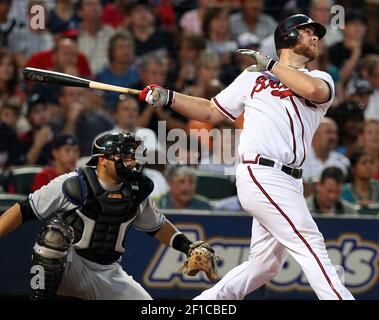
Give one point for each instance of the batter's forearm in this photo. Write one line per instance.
(10, 220)
(197, 108)
(302, 84)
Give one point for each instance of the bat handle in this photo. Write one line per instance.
(109, 87)
(132, 91)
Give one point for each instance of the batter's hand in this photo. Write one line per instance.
(157, 96)
(264, 63)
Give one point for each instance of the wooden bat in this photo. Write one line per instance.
(46, 76)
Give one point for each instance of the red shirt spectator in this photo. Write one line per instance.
(166, 15)
(43, 178)
(65, 152)
(44, 60)
(113, 16)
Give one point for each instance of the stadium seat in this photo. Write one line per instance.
(215, 186)
(9, 199)
(22, 178)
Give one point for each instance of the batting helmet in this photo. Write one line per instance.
(116, 143)
(287, 34)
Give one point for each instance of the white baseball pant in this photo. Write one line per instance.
(282, 223)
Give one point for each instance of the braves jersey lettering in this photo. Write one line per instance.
(272, 110)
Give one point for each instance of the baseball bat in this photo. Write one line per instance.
(46, 76)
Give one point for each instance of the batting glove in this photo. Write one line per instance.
(264, 63)
(157, 96)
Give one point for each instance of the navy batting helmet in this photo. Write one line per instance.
(287, 34)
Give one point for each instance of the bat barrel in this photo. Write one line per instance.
(52, 77)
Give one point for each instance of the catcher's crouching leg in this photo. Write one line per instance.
(50, 253)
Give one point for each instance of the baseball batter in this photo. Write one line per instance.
(283, 104)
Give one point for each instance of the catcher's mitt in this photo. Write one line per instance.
(201, 257)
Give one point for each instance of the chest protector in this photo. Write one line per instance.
(102, 218)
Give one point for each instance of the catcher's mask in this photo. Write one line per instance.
(120, 147)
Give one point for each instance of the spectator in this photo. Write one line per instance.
(370, 141)
(10, 114)
(326, 199)
(148, 38)
(63, 17)
(65, 54)
(363, 190)
(320, 11)
(10, 147)
(26, 41)
(189, 49)
(252, 19)
(323, 154)
(206, 86)
(183, 183)
(37, 141)
(115, 14)
(217, 34)
(94, 36)
(166, 16)
(65, 153)
(8, 24)
(372, 111)
(154, 70)
(223, 156)
(349, 118)
(346, 54)
(241, 61)
(9, 78)
(78, 119)
(126, 116)
(359, 91)
(121, 71)
(207, 73)
(192, 20)
(185, 151)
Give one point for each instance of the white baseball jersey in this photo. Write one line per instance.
(278, 124)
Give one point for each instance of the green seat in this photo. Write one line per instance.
(215, 186)
(9, 199)
(22, 178)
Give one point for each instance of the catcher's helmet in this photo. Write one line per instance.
(286, 33)
(116, 143)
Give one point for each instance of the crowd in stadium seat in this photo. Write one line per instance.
(190, 47)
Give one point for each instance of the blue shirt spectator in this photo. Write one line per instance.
(120, 71)
(129, 78)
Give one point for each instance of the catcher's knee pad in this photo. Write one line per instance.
(50, 254)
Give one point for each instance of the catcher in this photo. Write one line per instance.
(90, 211)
